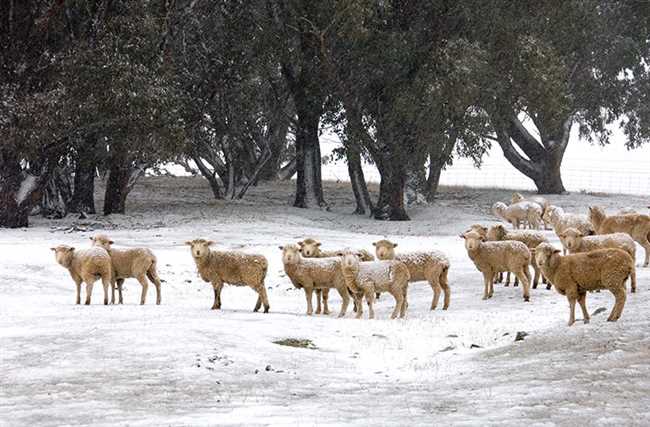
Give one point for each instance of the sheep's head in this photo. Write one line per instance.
(290, 253)
(309, 248)
(551, 214)
(499, 208)
(544, 252)
(102, 241)
(496, 233)
(200, 247)
(517, 197)
(384, 249)
(350, 259)
(596, 215)
(63, 254)
(472, 240)
(571, 238)
(483, 231)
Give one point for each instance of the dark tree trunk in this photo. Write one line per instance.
(57, 194)
(544, 157)
(122, 176)
(309, 186)
(278, 142)
(390, 205)
(289, 170)
(358, 181)
(83, 197)
(211, 176)
(439, 154)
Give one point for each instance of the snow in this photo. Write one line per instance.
(182, 364)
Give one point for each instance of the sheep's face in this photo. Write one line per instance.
(571, 238)
(63, 254)
(551, 215)
(200, 247)
(309, 248)
(472, 240)
(290, 254)
(102, 241)
(483, 231)
(517, 197)
(496, 233)
(499, 208)
(596, 214)
(543, 253)
(350, 259)
(385, 249)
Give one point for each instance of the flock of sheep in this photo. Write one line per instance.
(601, 256)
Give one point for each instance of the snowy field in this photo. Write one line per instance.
(181, 364)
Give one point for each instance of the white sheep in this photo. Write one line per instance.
(230, 267)
(314, 273)
(491, 258)
(560, 221)
(368, 278)
(85, 265)
(541, 201)
(138, 263)
(520, 213)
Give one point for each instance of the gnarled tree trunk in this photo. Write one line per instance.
(83, 196)
(122, 177)
(309, 186)
(390, 205)
(439, 154)
(358, 181)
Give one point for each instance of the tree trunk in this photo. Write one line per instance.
(309, 186)
(416, 183)
(278, 141)
(289, 170)
(390, 205)
(19, 190)
(122, 177)
(544, 157)
(211, 176)
(83, 197)
(439, 154)
(57, 194)
(358, 181)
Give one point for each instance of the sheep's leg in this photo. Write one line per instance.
(444, 283)
(536, 279)
(646, 246)
(370, 299)
(326, 296)
(633, 278)
(619, 295)
(582, 299)
(145, 286)
(572, 308)
(216, 286)
(516, 282)
(507, 279)
(77, 282)
(262, 298)
(319, 295)
(405, 304)
(89, 291)
(358, 299)
(499, 277)
(120, 282)
(524, 277)
(437, 290)
(486, 287)
(398, 294)
(345, 298)
(106, 283)
(308, 293)
(491, 285)
(153, 276)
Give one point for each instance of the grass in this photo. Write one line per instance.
(296, 342)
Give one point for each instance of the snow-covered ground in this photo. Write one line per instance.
(181, 364)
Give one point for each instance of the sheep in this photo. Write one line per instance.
(561, 221)
(519, 213)
(138, 263)
(492, 257)
(314, 273)
(432, 266)
(85, 265)
(576, 243)
(310, 248)
(574, 275)
(230, 267)
(636, 225)
(367, 278)
(541, 201)
(530, 238)
(626, 211)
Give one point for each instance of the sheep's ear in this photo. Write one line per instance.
(394, 245)
(70, 249)
(556, 251)
(110, 242)
(53, 249)
(188, 243)
(562, 235)
(301, 243)
(374, 243)
(92, 238)
(281, 248)
(462, 236)
(359, 255)
(339, 254)
(209, 243)
(318, 244)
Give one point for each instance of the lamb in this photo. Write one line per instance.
(574, 275)
(368, 278)
(230, 267)
(310, 248)
(138, 263)
(491, 258)
(636, 225)
(85, 265)
(314, 273)
(541, 201)
(530, 238)
(519, 213)
(432, 266)
(576, 243)
(561, 221)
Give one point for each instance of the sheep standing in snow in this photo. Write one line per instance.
(541, 201)
(574, 275)
(368, 278)
(491, 258)
(576, 243)
(560, 221)
(636, 225)
(231, 267)
(138, 263)
(85, 265)
(314, 273)
(432, 266)
(530, 238)
(310, 248)
(520, 213)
